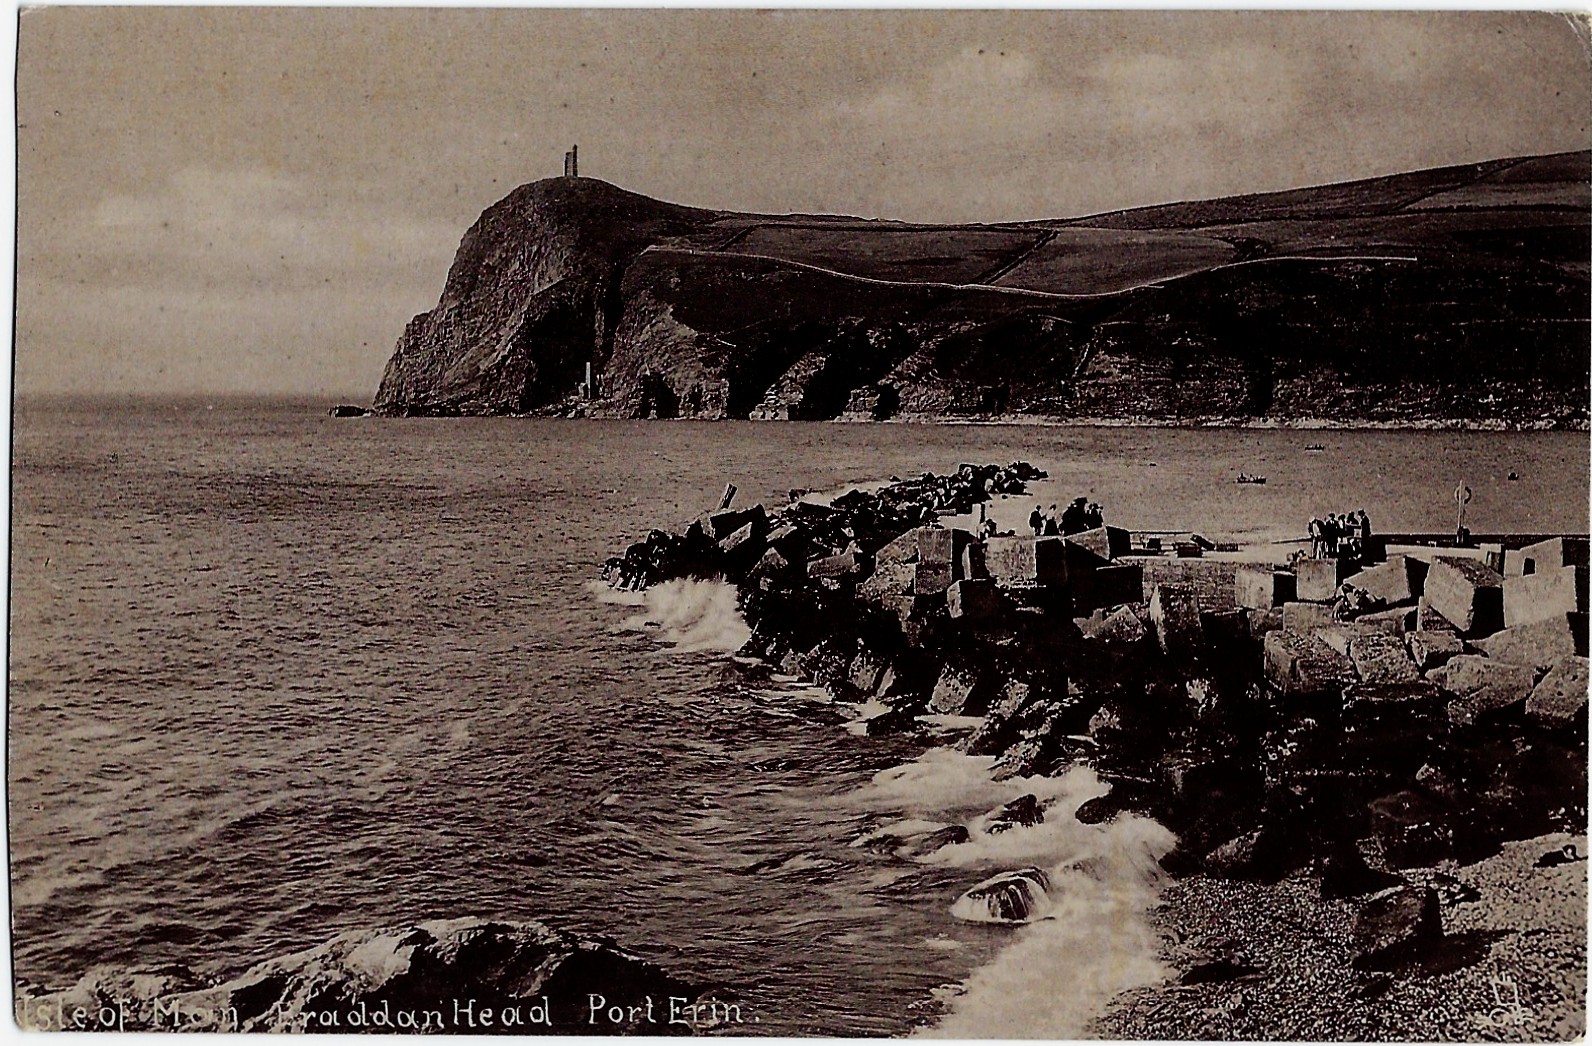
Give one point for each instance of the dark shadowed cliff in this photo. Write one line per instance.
(1458, 295)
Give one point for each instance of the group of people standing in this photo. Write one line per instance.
(1079, 516)
(1340, 535)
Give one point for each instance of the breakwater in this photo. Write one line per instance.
(1341, 719)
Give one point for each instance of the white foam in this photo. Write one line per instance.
(692, 615)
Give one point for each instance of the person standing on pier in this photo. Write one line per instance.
(1318, 537)
(1036, 521)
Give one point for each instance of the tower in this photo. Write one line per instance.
(571, 162)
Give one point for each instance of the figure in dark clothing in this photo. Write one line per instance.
(1036, 521)
(1073, 519)
(1052, 524)
(1094, 516)
(1318, 541)
(1365, 528)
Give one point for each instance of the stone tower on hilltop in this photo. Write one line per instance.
(571, 162)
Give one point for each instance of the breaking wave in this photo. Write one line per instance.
(693, 616)
(1087, 937)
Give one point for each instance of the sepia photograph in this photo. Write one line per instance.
(972, 524)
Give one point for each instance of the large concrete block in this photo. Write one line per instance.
(1106, 586)
(959, 691)
(1429, 620)
(1026, 560)
(1545, 594)
(720, 525)
(1298, 663)
(1318, 579)
(941, 546)
(1379, 718)
(1263, 587)
(1399, 580)
(1468, 594)
(974, 600)
(1395, 622)
(1552, 554)
(1559, 700)
(1483, 688)
(1122, 627)
(1175, 617)
(1105, 542)
(1432, 649)
(866, 668)
(1306, 617)
(930, 579)
(1263, 622)
(1381, 658)
(845, 565)
(903, 549)
(1540, 643)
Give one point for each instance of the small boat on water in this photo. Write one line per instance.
(1244, 477)
(1316, 448)
(1514, 475)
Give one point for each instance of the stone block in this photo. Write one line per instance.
(1431, 649)
(1263, 622)
(959, 691)
(720, 525)
(903, 549)
(1306, 617)
(932, 578)
(889, 580)
(1298, 663)
(1483, 689)
(1026, 560)
(1122, 626)
(1559, 700)
(866, 668)
(1539, 644)
(1338, 636)
(1397, 920)
(1429, 620)
(1395, 622)
(1381, 658)
(1262, 587)
(1399, 580)
(1317, 580)
(1175, 619)
(1468, 594)
(845, 565)
(941, 546)
(975, 601)
(1552, 554)
(1545, 594)
(1106, 586)
(1107, 543)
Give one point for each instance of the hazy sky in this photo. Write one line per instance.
(258, 200)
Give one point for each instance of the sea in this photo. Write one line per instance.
(275, 675)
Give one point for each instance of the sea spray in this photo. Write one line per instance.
(1086, 939)
(693, 616)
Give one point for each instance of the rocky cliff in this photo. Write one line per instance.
(1459, 295)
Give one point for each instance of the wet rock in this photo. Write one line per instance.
(1263, 587)
(1484, 689)
(1394, 923)
(364, 980)
(1010, 897)
(1559, 701)
(1022, 812)
(1468, 594)
(1433, 649)
(1256, 856)
(959, 690)
(866, 670)
(1539, 644)
(1412, 829)
(1394, 719)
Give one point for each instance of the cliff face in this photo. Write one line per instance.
(1452, 296)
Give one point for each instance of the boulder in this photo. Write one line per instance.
(1121, 627)
(940, 559)
(1413, 830)
(1395, 922)
(1484, 689)
(904, 549)
(1300, 664)
(1539, 644)
(959, 691)
(925, 843)
(889, 581)
(1392, 719)
(1381, 658)
(1397, 581)
(1559, 700)
(371, 980)
(1317, 580)
(845, 565)
(866, 670)
(1107, 543)
(1544, 595)
(1307, 617)
(975, 601)
(1263, 587)
(1010, 897)
(1263, 622)
(1467, 593)
(1338, 636)
(1432, 649)
(1395, 622)
(1429, 620)
(1026, 560)
(1175, 618)
(720, 525)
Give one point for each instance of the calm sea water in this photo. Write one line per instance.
(275, 675)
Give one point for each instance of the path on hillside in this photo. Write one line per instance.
(1021, 291)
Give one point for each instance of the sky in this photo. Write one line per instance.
(252, 200)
